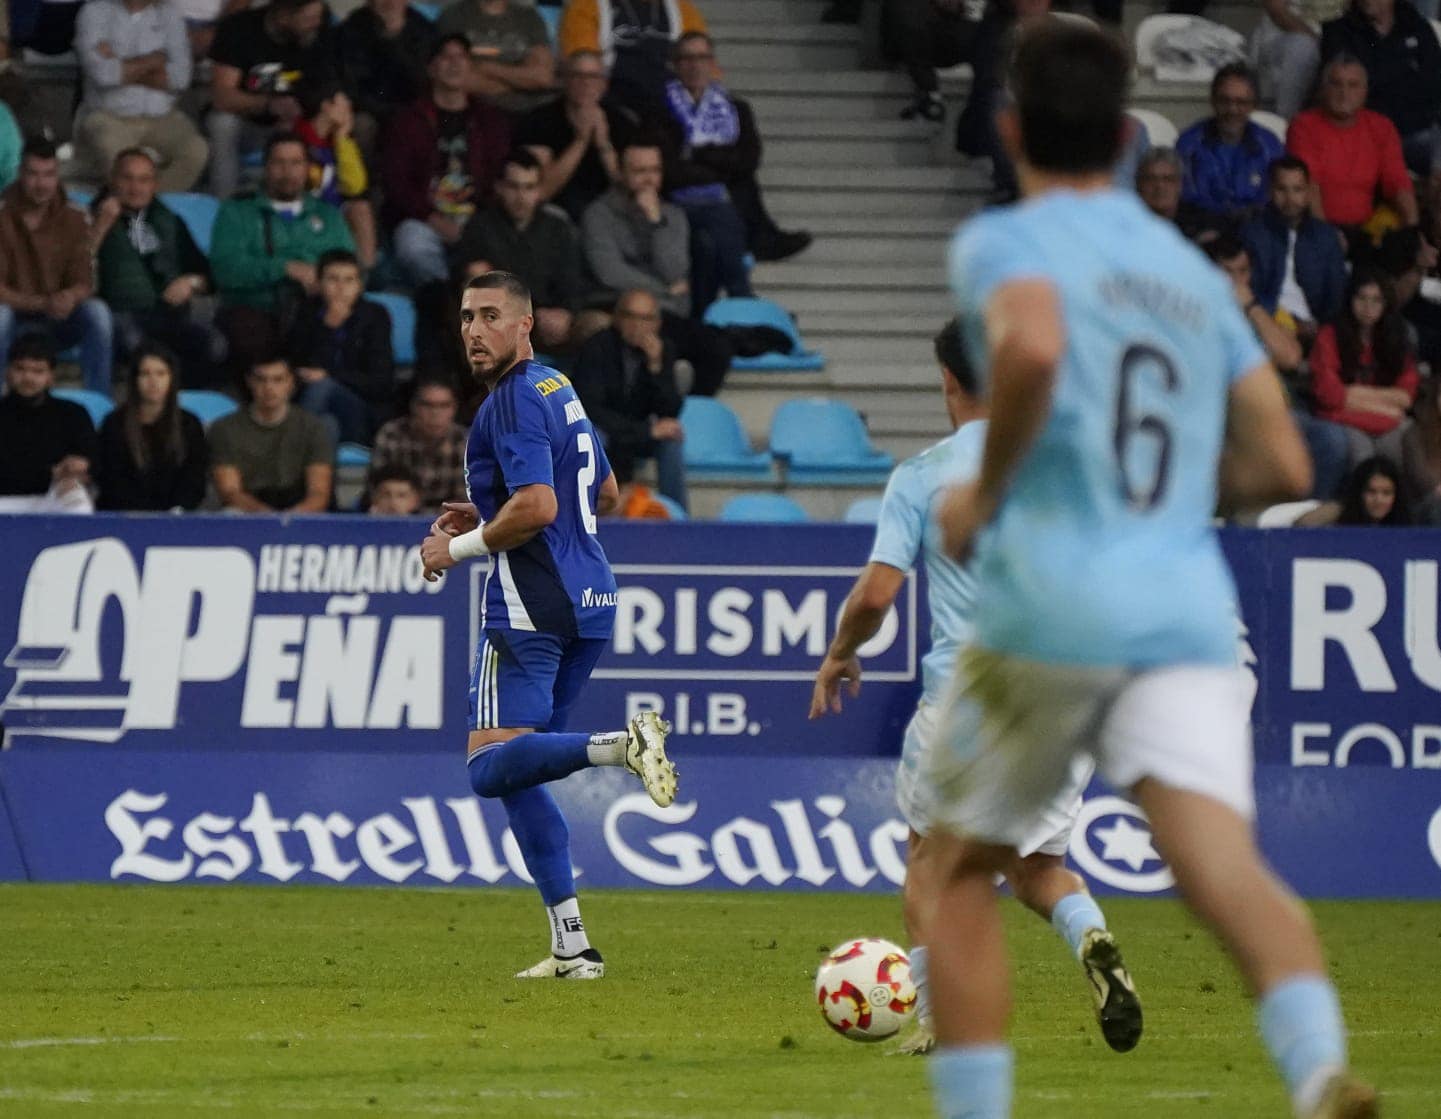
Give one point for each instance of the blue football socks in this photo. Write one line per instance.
(921, 978)
(544, 840)
(1073, 915)
(529, 759)
(972, 1081)
(1301, 1024)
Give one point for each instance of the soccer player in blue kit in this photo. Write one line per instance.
(1126, 391)
(907, 532)
(537, 478)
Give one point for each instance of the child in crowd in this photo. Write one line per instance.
(337, 169)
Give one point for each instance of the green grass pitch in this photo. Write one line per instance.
(183, 1001)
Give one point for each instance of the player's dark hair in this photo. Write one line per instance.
(172, 437)
(33, 346)
(38, 147)
(1070, 83)
(507, 282)
(1288, 162)
(1231, 71)
(1390, 343)
(951, 353)
(335, 256)
(1353, 494)
(275, 139)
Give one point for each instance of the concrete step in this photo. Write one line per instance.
(882, 225)
(795, 206)
(813, 34)
(864, 252)
(857, 358)
(869, 152)
(796, 273)
(808, 56)
(906, 325)
(749, 12)
(783, 130)
(806, 301)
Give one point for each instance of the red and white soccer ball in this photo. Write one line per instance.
(864, 989)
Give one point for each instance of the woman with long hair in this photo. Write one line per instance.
(1371, 496)
(1363, 369)
(1421, 455)
(152, 452)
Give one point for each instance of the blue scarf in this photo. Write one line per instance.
(710, 122)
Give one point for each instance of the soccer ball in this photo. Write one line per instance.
(864, 989)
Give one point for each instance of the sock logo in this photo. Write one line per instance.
(572, 925)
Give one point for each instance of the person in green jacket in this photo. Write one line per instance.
(10, 144)
(264, 248)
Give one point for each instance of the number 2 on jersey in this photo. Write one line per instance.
(585, 478)
(1140, 359)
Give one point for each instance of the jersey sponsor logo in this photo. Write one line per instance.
(589, 596)
(106, 645)
(552, 384)
(1111, 842)
(707, 622)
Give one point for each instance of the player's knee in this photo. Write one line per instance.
(485, 776)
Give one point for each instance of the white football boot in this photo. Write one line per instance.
(587, 965)
(645, 757)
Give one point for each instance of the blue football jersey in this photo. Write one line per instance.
(1102, 552)
(907, 531)
(533, 430)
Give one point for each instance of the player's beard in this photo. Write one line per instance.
(501, 363)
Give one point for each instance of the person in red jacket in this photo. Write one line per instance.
(438, 161)
(1363, 369)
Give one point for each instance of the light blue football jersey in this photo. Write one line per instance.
(907, 531)
(1102, 552)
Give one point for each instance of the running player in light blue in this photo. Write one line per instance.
(537, 477)
(907, 532)
(1123, 382)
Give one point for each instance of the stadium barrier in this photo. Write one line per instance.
(283, 699)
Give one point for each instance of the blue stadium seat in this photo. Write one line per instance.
(198, 212)
(429, 11)
(551, 14)
(762, 312)
(716, 444)
(768, 508)
(402, 323)
(207, 406)
(352, 454)
(96, 403)
(825, 442)
(864, 511)
(677, 513)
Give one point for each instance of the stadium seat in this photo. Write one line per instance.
(206, 405)
(429, 11)
(402, 323)
(352, 454)
(772, 508)
(1274, 123)
(96, 403)
(77, 196)
(1159, 130)
(762, 312)
(551, 14)
(674, 508)
(864, 511)
(198, 212)
(825, 442)
(1193, 67)
(1286, 514)
(716, 444)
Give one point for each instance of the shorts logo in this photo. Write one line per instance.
(1112, 843)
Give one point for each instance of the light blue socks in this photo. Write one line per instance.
(1301, 1024)
(1073, 915)
(972, 1082)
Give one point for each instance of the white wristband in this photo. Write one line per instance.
(469, 545)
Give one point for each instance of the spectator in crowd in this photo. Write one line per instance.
(264, 248)
(512, 64)
(340, 349)
(46, 278)
(633, 238)
(441, 156)
(136, 58)
(1363, 370)
(715, 151)
(10, 144)
(625, 377)
(384, 48)
(1402, 58)
(515, 235)
(1421, 455)
(394, 492)
(46, 444)
(638, 501)
(270, 457)
(1410, 261)
(1351, 151)
(1159, 176)
(262, 57)
(337, 173)
(634, 39)
(1298, 264)
(1286, 49)
(576, 136)
(427, 442)
(201, 19)
(149, 271)
(1372, 497)
(151, 451)
(1226, 156)
(924, 34)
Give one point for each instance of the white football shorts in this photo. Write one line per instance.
(1015, 729)
(918, 799)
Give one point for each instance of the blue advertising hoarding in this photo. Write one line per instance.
(193, 665)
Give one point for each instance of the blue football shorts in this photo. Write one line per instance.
(526, 679)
